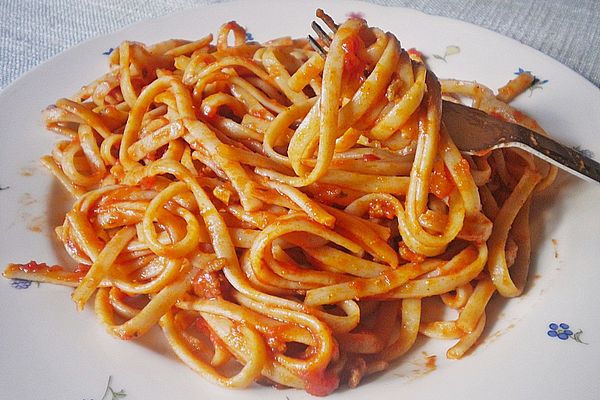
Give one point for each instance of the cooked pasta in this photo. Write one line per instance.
(282, 216)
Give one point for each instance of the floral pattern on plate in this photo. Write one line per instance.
(20, 283)
(537, 82)
(450, 51)
(562, 331)
(110, 393)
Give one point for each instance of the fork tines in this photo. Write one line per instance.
(327, 19)
(316, 46)
(325, 38)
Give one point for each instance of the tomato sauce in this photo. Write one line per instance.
(276, 338)
(321, 383)
(441, 183)
(148, 182)
(408, 254)
(379, 208)
(207, 285)
(370, 157)
(328, 194)
(81, 269)
(33, 266)
(354, 66)
(415, 53)
(55, 273)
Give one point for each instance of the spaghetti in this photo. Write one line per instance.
(283, 217)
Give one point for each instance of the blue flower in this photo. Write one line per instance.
(560, 331)
(521, 71)
(107, 52)
(536, 83)
(20, 283)
(249, 37)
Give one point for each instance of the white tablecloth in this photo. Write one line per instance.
(33, 31)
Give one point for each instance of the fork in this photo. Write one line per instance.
(476, 133)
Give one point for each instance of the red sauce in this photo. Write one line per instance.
(357, 284)
(206, 248)
(117, 171)
(441, 183)
(156, 154)
(33, 266)
(370, 157)
(321, 383)
(519, 117)
(207, 285)
(276, 338)
(148, 182)
(201, 326)
(354, 66)
(209, 112)
(52, 272)
(328, 194)
(408, 254)
(381, 209)
(81, 269)
(496, 114)
(230, 26)
(414, 52)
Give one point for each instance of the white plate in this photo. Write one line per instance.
(48, 350)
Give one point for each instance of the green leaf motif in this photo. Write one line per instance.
(118, 395)
(110, 393)
(577, 337)
(450, 51)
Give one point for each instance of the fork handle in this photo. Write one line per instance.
(562, 156)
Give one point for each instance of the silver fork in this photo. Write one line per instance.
(475, 132)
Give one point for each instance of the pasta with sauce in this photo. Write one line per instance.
(282, 216)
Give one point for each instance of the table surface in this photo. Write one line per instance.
(33, 31)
